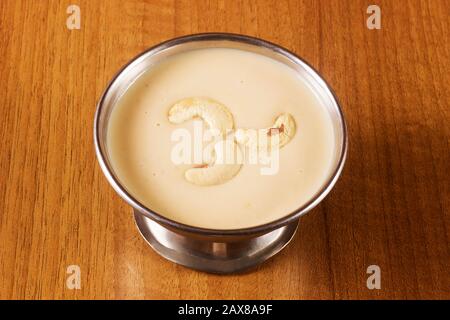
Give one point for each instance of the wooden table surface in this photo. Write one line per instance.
(391, 206)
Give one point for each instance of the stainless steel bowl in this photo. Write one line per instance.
(216, 251)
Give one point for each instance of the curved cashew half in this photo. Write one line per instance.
(219, 172)
(215, 114)
(219, 118)
(284, 126)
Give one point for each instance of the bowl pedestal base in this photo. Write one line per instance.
(213, 254)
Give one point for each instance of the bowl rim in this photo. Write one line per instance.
(172, 224)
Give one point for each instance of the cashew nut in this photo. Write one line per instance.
(215, 114)
(219, 118)
(220, 171)
(284, 126)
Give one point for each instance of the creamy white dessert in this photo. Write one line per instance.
(254, 90)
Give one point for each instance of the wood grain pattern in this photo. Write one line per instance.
(391, 206)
